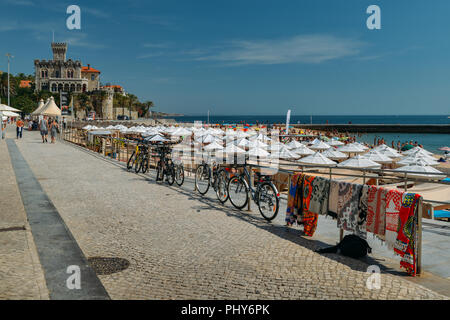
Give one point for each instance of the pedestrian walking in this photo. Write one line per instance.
(19, 128)
(43, 127)
(54, 128)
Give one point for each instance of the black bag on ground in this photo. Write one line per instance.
(351, 246)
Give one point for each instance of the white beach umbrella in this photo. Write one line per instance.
(181, 132)
(335, 143)
(317, 159)
(233, 149)
(277, 146)
(258, 144)
(284, 154)
(350, 148)
(359, 162)
(388, 151)
(206, 138)
(358, 144)
(422, 171)
(294, 144)
(258, 152)
(421, 153)
(157, 138)
(242, 143)
(263, 137)
(213, 146)
(413, 159)
(417, 149)
(320, 145)
(378, 157)
(333, 154)
(302, 150)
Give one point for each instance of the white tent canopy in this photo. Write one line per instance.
(50, 109)
(4, 107)
(10, 114)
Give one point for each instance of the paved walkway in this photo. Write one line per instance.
(21, 275)
(151, 241)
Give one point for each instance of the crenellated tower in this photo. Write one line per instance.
(59, 51)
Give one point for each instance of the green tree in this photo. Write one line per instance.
(24, 103)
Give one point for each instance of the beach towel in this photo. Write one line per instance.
(309, 219)
(406, 237)
(294, 199)
(333, 198)
(319, 195)
(393, 206)
(348, 206)
(376, 210)
(362, 214)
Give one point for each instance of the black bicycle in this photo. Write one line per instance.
(217, 177)
(165, 167)
(265, 195)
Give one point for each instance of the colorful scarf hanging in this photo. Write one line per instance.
(405, 242)
(309, 219)
(294, 202)
(376, 214)
(319, 195)
(348, 206)
(393, 206)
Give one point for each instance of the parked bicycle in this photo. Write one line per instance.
(206, 176)
(139, 159)
(265, 195)
(165, 167)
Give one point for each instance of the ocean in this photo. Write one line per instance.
(431, 142)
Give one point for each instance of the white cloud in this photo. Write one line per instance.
(298, 49)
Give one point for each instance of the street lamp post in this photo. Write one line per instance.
(9, 57)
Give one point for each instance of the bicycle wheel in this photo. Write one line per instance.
(138, 163)
(268, 200)
(131, 161)
(179, 175)
(144, 164)
(222, 186)
(170, 174)
(202, 179)
(238, 192)
(159, 172)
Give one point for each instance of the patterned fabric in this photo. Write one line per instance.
(361, 228)
(333, 198)
(393, 206)
(293, 199)
(405, 242)
(319, 195)
(376, 214)
(309, 219)
(348, 206)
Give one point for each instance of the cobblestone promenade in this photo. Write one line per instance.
(168, 243)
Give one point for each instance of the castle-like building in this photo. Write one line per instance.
(64, 75)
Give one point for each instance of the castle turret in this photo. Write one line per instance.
(59, 51)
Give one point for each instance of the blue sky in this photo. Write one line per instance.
(250, 57)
